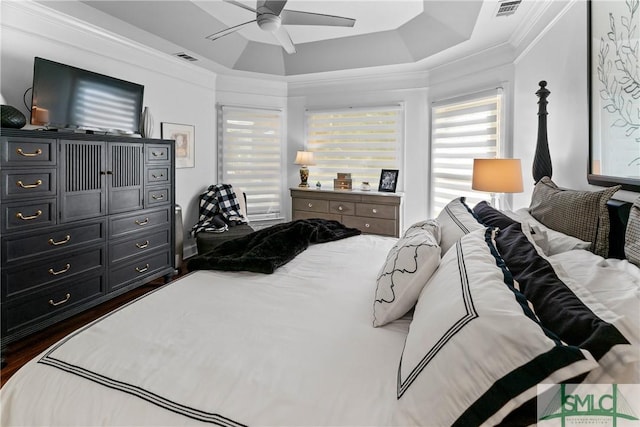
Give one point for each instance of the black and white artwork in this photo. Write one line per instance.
(388, 180)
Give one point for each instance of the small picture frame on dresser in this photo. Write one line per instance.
(388, 180)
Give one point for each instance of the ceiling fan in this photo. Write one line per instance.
(271, 17)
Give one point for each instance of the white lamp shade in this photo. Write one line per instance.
(497, 175)
(304, 158)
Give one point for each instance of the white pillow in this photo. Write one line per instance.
(409, 264)
(551, 242)
(474, 338)
(456, 220)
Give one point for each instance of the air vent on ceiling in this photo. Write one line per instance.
(185, 56)
(507, 7)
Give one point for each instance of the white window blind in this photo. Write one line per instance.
(360, 141)
(462, 130)
(250, 157)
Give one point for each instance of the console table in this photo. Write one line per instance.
(372, 212)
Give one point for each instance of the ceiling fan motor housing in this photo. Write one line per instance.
(268, 21)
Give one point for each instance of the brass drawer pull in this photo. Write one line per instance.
(155, 197)
(142, 245)
(145, 222)
(157, 176)
(34, 154)
(143, 269)
(64, 270)
(27, 218)
(54, 304)
(34, 185)
(374, 210)
(61, 242)
(310, 205)
(157, 153)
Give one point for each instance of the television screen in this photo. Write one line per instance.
(66, 97)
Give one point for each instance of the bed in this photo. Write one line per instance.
(464, 320)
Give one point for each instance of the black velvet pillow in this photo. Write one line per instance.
(557, 307)
(492, 217)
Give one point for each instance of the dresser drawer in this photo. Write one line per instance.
(157, 153)
(139, 269)
(54, 240)
(21, 183)
(157, 175)
(121, 225)
(50, 302)
(311, 205)
(18, 151)
(139, 244)
(342, 208)
(27, 215)
(309, 215)
(157, 196)
(385, 227)
(376, 211)
(31, 276)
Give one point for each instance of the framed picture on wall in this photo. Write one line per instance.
(388, 180)
(614, 93)
(184, 135)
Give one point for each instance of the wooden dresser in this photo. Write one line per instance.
(371, 212)
(84, 218)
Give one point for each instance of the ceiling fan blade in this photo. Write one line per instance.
(273, 6)
(285, 40)
(229, 30)
(296, 17)
(242, 5)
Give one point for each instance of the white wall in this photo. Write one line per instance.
(558, 56)
(175, 91)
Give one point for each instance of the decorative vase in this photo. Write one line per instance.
(146, 129)
(365, 186)
(11, 117)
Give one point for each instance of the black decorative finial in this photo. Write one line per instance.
(542, 159)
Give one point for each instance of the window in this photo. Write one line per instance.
(462, 129)
(250, 158)
(360, 141)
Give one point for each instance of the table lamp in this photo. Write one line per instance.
(304, 158)
(497, 176)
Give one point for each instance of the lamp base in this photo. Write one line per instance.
(304, 177)
(499, 202)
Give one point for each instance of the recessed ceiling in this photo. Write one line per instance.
(386, 33)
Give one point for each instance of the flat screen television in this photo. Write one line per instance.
(66, 97)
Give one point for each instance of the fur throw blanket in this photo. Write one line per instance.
(265, 250)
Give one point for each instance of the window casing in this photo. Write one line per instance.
(250, 157)
(360, 141)
(462, 129)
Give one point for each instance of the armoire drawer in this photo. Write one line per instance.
(140, 268)
(50, 302)
(138, 245)
(158, 175)
(385, 227)
(121, 225)
(157, 196)
(21, 247)
(28, 277)
(28, 215)
(157, 153)
(376, 211)
(311, 205)
(24, 152)
(23, 183)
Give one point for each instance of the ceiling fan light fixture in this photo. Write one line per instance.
(269, 22)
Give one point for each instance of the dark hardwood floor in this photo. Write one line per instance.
(20, 352)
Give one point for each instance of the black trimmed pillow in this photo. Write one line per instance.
(632, 235)
(582, 214)
(456, 220)
(409, 265)
(559, 308)
(474, 337)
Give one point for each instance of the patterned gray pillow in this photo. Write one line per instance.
(581, 214)
(632, 235)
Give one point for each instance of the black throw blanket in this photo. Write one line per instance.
(265, 250)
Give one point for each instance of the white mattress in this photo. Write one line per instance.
(293, 348)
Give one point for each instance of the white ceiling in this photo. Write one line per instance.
(412, 33)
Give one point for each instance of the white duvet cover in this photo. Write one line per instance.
(293, 348)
